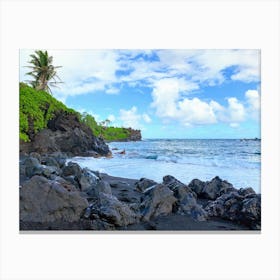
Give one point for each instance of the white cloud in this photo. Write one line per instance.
(130, 118)
(111, 118)
(82, 71)
(146, 118)
(171, 105)
(165, 95)
(253, 99)
(236, 110)
(254, 103)
(195, 111)
(171, 77)
(112, 90)
(212, 63)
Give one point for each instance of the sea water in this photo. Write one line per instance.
(237, 161)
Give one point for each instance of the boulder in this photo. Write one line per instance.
(143, 184)
(251, 211)
(158, 200)
(179, 189)
(72, 169)
(197, 186)
(87, 180)
(100, 187)
(50, 161)
(30, 165)
(35, 155)
(186, 199)
(246, 191)
(64, 183)
(50, 201)
(107, 207)
(215, 188)
(60, 158)
(226, 206)
(47, 171)
(235, 207)
(72, 180)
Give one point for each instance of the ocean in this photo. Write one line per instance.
(237, 161)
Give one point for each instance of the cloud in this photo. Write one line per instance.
(171, 105)
(88, 71)
(82, 71)
(194, 111)
(253, 99)
(168, 103)
(111, 118)
(146, 118)
(131, 118)
(112, 90)
(236, 110)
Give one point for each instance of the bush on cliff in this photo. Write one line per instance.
(36, 109)
(107, 133)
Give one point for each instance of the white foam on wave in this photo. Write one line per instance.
(184, 160)
(156, 170)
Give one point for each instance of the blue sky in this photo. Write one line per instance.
(165, 93)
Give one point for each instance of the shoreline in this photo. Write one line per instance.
(111, 203)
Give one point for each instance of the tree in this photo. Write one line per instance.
(43, 72)
(107, 122)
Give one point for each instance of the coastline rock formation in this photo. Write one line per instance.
(66, 134)
(59, 195)
(49, 201)
(134, 135)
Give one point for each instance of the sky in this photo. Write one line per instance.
(197, 94)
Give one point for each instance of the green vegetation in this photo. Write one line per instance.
(38, 107)
(43, 72)
(108, 133)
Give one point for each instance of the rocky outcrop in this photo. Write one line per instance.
(134, 135)
(158, 200)
(50, 201)
(243, 206)
(59, 195)
(65, 133)
(186, 199)
(107, 207)
(143, 184)
(211, 189)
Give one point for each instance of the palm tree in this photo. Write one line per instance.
(43, 71)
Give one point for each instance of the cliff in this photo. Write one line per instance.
(48, 126)
(134, 135)
(65, 133)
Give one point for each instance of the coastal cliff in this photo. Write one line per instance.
(48, 126)
(65, 133)
(134, 135)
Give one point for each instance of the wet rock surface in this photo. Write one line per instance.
(55, 195)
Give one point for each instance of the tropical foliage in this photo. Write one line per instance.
(43, 73)
(38, 107)
(103, 130)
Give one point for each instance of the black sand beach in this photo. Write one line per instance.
(59, 196)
